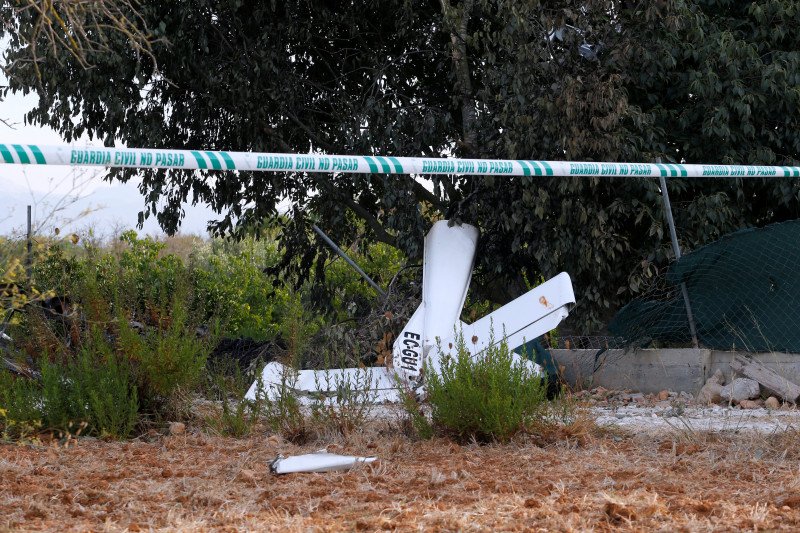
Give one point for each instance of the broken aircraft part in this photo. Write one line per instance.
(434, 326)
(448, 258)
(374, 384)
(320, 461)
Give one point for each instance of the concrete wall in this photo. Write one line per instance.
(653, 370)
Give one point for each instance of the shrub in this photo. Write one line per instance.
(283, 413)
(166, 357)
(99, 365)
(107, 388)
(297, 328)
(229, 280)
(94, 390)
(20, 414)
(239, 417)
(417, 422)
(491, 397)
(348, 407)
(96, 387)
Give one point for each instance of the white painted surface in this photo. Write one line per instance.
(377, 384)
(320, 461)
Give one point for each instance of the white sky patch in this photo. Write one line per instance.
(110, 206)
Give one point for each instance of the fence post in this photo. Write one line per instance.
(677, 251)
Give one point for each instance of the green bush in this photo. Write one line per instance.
(116, 353)
(96, 387)
(484, 398)
(284, 414)
(348, 407)
(94, 390)
(417, 423)
(348, 295)
(128, 347)
(229, 281)
(20, 413)
(112, 398)
(166, 357)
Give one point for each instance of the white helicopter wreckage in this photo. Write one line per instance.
(432, 331)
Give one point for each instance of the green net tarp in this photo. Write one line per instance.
(744, 291)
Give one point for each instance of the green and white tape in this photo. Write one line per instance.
(31, 154)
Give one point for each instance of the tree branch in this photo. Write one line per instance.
(380, 233)
(423, 194)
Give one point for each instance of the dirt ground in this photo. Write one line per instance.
(599, 481)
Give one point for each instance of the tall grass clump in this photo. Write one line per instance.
(491, 397)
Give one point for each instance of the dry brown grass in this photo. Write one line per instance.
(583, 481)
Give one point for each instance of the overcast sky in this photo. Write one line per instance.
(113, 206)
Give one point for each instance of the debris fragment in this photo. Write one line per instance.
(766, 377)
(376, 383)
(320, 461)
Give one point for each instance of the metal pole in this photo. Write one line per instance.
(677, 250)
(350, 262)
(29, 256)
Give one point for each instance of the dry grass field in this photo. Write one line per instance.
(598, 481)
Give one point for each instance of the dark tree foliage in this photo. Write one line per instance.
(704, 81)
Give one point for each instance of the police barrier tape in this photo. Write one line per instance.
(272, 162)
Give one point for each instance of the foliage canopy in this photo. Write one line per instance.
(703, 81)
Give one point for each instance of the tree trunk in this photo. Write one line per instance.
(458, 39)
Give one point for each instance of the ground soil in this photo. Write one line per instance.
(599, 480)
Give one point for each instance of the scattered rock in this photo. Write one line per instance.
(663, 395)
(634, 397)
(751, 404)
(177, 428)
(600, 392)
(711, 391)
(740, 389)
(772, 403)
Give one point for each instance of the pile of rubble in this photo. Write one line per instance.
(740, 393)
(744, 392)
(752, 386)
(753, 399)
